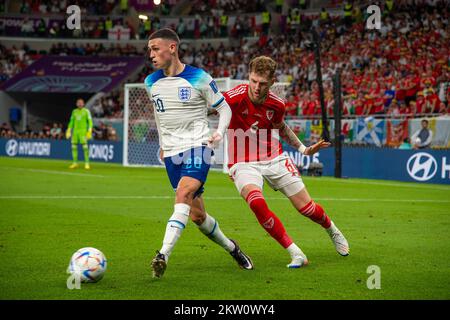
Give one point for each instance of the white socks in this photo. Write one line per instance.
(177, 222)
(210, 228)
(175, 226)
(295, 251)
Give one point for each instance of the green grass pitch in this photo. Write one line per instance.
(47, 212)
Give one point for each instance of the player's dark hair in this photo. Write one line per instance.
(165, 33)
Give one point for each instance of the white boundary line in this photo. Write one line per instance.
(56, 172)
(100, 197)
(328, 179)
(388, 184)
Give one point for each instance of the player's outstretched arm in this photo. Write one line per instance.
(291, 138)
(224, 121)
(316, 147)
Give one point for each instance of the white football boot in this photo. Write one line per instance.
(339, 241)
(298, 260)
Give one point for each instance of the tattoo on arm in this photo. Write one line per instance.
(289, 136)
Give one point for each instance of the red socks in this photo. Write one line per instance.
(267, 219)
(315, 212)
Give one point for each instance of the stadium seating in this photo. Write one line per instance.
(399, 71)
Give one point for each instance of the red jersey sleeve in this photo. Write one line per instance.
(279, 114)
(234, 96)
(278, 106)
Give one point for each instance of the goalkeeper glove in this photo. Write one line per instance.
(89, 134)
(68, 133)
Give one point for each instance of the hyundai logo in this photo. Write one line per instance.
(11, 148)
(421, 166)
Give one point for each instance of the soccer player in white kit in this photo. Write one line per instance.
(255, 155)
(181, 95)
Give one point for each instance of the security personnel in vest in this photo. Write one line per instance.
(223, 25)
(147, 26)
(101, 28)
(302, 4)
(279, 5)
(389, 6)
(289, 21)
(295, 22)
(348, 10)
(324, 16)
(108, 24)
(124, 6)
(266, 21)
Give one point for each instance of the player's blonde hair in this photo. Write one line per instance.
(263, 65)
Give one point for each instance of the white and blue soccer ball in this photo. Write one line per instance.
(89, 264)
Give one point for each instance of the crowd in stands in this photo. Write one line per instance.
(219, 7)
(211, 27)
(14, 60)
(48, 131)
(207, 19)
(95, 49)
(92, 28)
(400, 70)
(88, 7)
(56, 131)
(109, 106)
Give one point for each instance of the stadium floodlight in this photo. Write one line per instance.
(143, 17)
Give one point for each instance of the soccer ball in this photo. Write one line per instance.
(89, 264)
(418, 140)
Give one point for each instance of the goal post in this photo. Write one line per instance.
(140, 134)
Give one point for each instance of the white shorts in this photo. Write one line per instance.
(280, 173)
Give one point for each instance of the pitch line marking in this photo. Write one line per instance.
(418, 186)
(46, 197)
(405, 185)
(56, 172)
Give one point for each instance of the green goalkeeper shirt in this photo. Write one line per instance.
(80, 120)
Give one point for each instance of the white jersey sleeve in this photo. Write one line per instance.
(211, 93)
(180, 106)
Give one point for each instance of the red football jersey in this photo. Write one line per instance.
(251, 135)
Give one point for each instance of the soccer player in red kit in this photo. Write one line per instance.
(255, 155)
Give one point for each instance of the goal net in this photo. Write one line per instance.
(140, 136)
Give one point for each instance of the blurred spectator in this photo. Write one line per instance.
(422, 137)
(291, 106)
(100, 132)
(56, 131)
(405, 145)
(27, 28)
(111, 133)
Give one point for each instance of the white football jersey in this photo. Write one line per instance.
(180, 104)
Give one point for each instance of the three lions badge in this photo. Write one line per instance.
(184, 94)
